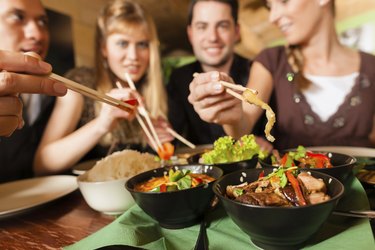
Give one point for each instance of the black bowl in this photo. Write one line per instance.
(342, 165)
(277, 227)
(175, 209)
(227, 167)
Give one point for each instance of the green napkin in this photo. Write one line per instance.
(135, 228)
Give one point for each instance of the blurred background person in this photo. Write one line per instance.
(126, 41)
(322, 91)
(24, 28)
(213, 31)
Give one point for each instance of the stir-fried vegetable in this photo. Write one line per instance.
(284, 187)
(226, 149)
(303, 158)
(175, 180)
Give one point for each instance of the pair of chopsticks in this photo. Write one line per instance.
(127, 105)
(151, 135)
(230, 86)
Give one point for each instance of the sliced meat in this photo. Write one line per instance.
(311, 184)
(263, 199)
(317, 197)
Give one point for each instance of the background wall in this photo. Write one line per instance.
(170, 17)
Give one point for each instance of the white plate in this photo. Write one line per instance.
(82, 167)
(354, 151)
(21, 195)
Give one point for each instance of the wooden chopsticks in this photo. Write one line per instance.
(153, 139)
(91, 93)
(180, 138)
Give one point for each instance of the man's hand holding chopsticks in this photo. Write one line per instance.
(13, 82)
(210, 100)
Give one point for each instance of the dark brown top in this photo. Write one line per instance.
(296, 123)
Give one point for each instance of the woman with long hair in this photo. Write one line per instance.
(126, 42)
(321, 91)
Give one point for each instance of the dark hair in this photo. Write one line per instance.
(232, 3)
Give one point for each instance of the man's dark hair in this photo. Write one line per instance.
(232, 3)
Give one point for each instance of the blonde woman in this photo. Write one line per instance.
(126, 42)
(322, 91)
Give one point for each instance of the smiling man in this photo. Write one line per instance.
(213, 31)
(23, 28)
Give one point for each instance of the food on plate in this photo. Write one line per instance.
(252, 98)
(302, 158)
(285, 187)
(174, 180)
(122, 164)
(226, 150)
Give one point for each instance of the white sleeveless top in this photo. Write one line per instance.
(327, 93)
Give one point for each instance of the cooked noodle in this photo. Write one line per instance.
(252, 98)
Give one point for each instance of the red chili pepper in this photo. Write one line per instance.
(285, 160)
(296, 187)
(317, 155)
(163, 188)
(199, 180)
(261, 175)
(132, 102)
(321, 160)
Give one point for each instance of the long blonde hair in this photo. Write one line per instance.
(120, 15)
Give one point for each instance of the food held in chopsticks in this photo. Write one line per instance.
(166, 152)
(174, 180)
(250, 96)
(226, 149)
(284, 187)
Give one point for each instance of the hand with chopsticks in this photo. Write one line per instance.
(13, 83)
(109, 115)
(210, 94)
(211, 101)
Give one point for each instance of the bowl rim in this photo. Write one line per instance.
(221, 196)
(131, 190)
(353, 160)
(254, 157)
(82, 176)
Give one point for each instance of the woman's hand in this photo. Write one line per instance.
(211, 101)
(109, 115)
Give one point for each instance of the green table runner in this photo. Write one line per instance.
(135, 228)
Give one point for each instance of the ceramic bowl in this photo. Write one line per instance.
(175, 209)
(108, 197)
(226, 167)
(343, 165)
(277, 227)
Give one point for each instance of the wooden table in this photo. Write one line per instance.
(53, 225)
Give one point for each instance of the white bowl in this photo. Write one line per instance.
(109, 197)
